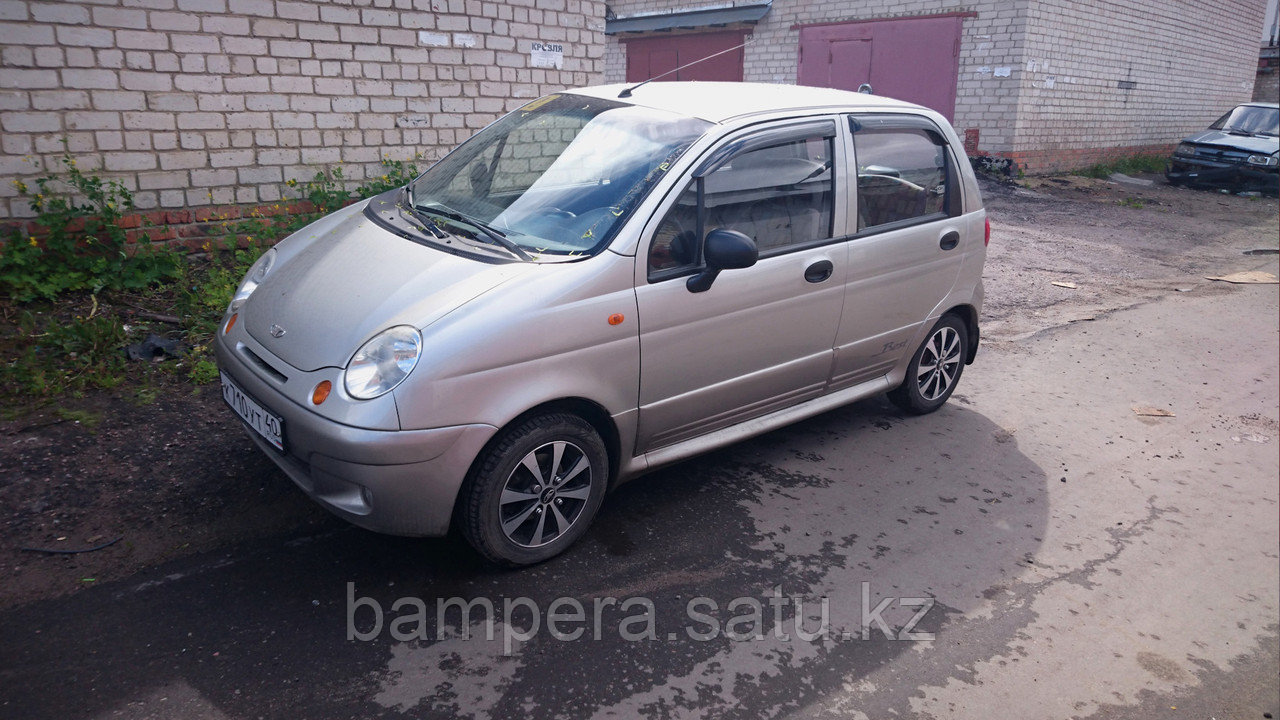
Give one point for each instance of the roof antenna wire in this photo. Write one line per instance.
(626, 92)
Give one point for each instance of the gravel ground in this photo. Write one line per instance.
(1120, 244)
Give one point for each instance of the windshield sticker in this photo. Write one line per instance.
(538, 103)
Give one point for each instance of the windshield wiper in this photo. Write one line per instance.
(493, 235)
(428, 224)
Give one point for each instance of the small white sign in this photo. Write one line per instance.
(1003, 72)
(466, 41)
(434, 39)
(546, 55)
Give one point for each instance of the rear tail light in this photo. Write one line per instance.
(986, 235)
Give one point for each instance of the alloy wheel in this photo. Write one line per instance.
(545, 494)
(939, 363)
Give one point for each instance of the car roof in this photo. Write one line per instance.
(720, 102)
(1260, 104)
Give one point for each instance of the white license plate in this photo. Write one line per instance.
(266, 424)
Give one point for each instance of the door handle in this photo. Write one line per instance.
(950, 240)
(819, 271)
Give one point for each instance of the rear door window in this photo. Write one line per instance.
(906, 174)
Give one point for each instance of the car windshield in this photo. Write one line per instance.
(1250, 119)
(558, 176)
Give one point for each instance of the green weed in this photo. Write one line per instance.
(1135, 164)
(82, 246)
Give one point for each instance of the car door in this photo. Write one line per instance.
(758, 338)
(906, 252)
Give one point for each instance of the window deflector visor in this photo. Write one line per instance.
(820, 129)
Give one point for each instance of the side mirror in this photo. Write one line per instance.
(724, 250)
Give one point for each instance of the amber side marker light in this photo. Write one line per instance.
(616, 319)
(321, 393)
(230, 323)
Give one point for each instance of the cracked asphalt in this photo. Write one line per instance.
(1036, 549)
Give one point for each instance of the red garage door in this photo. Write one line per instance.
(649, 57)
(914, 59)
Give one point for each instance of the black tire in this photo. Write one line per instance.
(511, 530)
(923, 392)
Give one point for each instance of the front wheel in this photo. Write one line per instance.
(534, 491)
(935, 368)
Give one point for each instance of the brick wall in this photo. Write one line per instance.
(1138, 75)
(1040, 80)
(218, 102)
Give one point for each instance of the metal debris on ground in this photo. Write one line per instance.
(154, 349)
(1250, 277)
(1250, 437)
(1063, 284)
(59, 551)
(1144, 411)
(1121, 177)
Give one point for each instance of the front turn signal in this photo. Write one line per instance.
(321, 393)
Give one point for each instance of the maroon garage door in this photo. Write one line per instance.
(649, 57)
(914, 59)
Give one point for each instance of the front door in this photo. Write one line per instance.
(760, 338)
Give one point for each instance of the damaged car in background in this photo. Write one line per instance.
(1240, 151)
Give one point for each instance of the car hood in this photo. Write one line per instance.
(337, 284)
(1262, 145)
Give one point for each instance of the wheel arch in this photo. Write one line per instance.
(592, 412)
(969, 315)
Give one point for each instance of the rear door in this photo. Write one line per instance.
(906, 251)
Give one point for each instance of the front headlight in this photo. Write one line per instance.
(1271, 160)
(257, 272)
(383, 363)
(1185, 149)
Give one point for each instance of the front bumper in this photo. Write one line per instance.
(400, 482)
(1194, 171)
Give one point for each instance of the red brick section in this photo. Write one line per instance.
(189, 229)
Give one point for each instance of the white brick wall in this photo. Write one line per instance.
(1189, 63)
(192, 102)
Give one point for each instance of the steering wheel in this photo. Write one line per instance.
(553, 211)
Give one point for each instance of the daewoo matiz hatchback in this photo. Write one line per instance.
(600, 283)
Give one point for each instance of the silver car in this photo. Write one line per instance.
(603, 282)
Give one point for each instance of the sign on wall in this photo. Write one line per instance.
(546, 55)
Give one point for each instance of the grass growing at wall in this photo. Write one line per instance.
(1129, 166)
(82, 246)
(73, 294)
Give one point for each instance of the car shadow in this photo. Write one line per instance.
(858, 501)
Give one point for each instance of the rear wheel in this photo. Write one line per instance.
(535, 491)
(935, 369)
